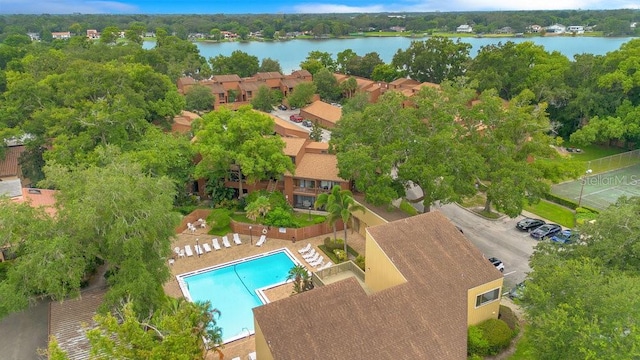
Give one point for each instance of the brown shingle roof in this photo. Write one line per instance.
(251, 86)
(9, 167)
(318, 166)
(269, 75)
(318, 145)
(66, 321)
(301, 73)
(424, 318)
(325, 111)
(216, 88)
(291, 83)
(226, 78)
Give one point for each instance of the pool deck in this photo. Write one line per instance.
(242, 347)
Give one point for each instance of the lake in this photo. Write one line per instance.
(291, 53)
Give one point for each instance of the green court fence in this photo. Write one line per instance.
(613, 162)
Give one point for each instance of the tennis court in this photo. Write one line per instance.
(600, 190)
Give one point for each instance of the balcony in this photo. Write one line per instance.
(339, 272)
(310, 191)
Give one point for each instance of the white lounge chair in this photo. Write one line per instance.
(236, 358)
(252, 356)
(313, 258)
(199, 249)
(206, 247)
(310, 254)
(305, 249)
(262, 240)
(236, 239)
(181, 254)
(317, 262)
(215, 243)
(225, 241)
(188, 251)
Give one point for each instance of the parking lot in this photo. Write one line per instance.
(285, 114)
(496, 238)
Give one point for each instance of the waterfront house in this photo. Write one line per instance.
(464, 29)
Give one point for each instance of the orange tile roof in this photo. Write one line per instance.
(319, 167)
(318, 145)
(10, 167)
(269, 75)
(226, 78)
(325, 111)
(293, 145)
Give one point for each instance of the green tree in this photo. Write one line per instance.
(110, 35)
(434, 60)
(342, 60)
(302, 94)
(270, 65)
(179, 332)
(301, 279)
(199, 97)
(258, 208)
(349, 87)
(241, 141)
(316, 132)
(317, 60)
(216, 34)
(239, 63)
(264, 99)
(339, 205)
(326, 85)
(134, 34)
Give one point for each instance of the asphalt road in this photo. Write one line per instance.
(496, 238)
(23, 333)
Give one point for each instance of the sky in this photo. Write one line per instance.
(296, 6)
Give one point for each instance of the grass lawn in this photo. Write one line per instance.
(552, 212)
(592, 152)
(524, 349)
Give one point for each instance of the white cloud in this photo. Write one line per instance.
(336, 8)
(64, 7)
(467, 5)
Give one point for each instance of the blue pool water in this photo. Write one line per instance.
(232, 287)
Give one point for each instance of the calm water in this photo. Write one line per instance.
(232, 290)
(291, 53)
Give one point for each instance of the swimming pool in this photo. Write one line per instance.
(236, 287)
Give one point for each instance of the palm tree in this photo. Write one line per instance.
(339, 205)
(259, 207)
(300, 277)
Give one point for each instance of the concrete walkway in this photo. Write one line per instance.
(23, 333)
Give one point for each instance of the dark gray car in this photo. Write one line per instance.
(545, 231)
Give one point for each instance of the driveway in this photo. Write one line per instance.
(496, 238)
(284, 115)
(21, 334)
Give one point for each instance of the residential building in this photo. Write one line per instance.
(424, 284)
(556, 29)
(373, 89)
(325, 114)
(33, 36)
(576, 29)
(93, 34)
(464, 28)
(61, 35)
(534, 28)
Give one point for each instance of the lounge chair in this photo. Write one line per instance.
(252, 356)
(199, 250)
(305, 249)
(313, 258)
(236, 358)
(215, 243)
(310, 254)
(188, 251)
(262, 240)
(181, 254)
(317, 262)
(225, 241)
(206, 247)
(236, 239)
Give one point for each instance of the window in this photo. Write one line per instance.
(488, 297)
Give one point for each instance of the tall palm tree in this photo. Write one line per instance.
(300, 276)
(339, 205)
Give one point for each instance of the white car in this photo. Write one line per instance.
(497, 263)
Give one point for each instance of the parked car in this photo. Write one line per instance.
(516, 291)
(296, 118)
(545, 231)
(529, 224)
(497, 263)
(565, 237)
(307, 123)
(282, 107)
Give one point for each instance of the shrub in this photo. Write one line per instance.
(509, 317)
(497, 333)
(340, 255)
(561, 201)
(360, 261)
(4, 268)
(279, 217)
(186, 209)
(333, 244)
(476, 343)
